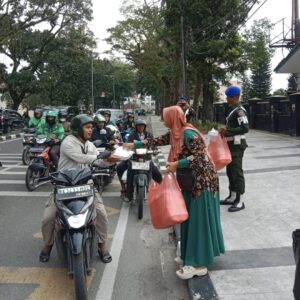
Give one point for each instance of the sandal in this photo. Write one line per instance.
(105, 256)
(188, 272)
(45, 256)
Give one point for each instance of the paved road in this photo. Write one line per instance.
(145, 268)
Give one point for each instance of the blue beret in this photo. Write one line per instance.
(233, 91)
(183, 98)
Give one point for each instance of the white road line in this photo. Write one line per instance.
(111, 194)
(10, 154)
(24, 194)
(8, 141)
(9, 160)
(3, 172)
(106, 287)
(14, 166)
(14, 181)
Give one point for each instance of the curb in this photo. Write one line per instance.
(11, 136)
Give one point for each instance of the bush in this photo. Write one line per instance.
(205, 127)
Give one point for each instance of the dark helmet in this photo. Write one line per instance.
(39, 112)
(78, 122)
(140, 122)
(105, 112)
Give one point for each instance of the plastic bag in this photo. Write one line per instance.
(219, 152)
(166, 203)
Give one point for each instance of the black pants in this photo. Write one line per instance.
(54, 154)
(123, 166)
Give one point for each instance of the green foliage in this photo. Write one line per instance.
(280, 92)
(205, 127)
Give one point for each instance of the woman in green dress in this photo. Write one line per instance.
(201, 234)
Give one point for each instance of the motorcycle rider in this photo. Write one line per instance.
(99, 128)
(37, 121)
(54, 131)
(107, 115)
(77, 152)
(140, 134)
(63, 120)
(129, 125)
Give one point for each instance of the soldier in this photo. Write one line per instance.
(236, 127)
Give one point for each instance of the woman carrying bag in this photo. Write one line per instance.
(201, 234)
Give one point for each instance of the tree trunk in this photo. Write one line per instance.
(197, 92)
(208, 99)
(16, 98)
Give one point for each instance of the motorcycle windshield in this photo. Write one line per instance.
(75, 205)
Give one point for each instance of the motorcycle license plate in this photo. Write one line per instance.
(36, 150)
(73, 192)
(136, 165)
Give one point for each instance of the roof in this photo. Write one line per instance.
(291, 63)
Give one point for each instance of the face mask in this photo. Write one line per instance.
(63, 120)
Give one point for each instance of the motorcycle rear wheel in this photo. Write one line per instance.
(79, 276)
(140, 195)
(29, 180)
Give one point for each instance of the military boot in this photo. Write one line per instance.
(237, 205)
(230, 199)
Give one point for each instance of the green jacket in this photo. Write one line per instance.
(52, 132)
(237, 121)
(110, 122)
(36, 123)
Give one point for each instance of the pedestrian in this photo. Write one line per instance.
(201, 234)
(189, 112)
(234, 132)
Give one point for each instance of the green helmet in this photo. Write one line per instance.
(78, 122)
(99, 118)
(51, 113)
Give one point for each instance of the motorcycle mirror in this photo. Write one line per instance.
(104, 155)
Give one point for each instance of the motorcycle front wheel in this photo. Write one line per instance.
(140, 196)
(26, 157)
(79, 276)
(31, 176)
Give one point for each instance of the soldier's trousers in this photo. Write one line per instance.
(48, 221)
(235, 171)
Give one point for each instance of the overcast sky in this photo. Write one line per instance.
(106, 14)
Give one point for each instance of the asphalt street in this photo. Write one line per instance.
(142, 267)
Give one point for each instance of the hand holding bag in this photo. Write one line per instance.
(166, 203)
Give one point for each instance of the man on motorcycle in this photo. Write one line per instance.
(101, 131)
(129, 123)
(107, 115)
(54, 131)
(140, 134)
(77, 152)
(37, 121)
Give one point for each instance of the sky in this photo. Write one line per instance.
(106, 14)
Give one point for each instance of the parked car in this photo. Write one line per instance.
(10, 120)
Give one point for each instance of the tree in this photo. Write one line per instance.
(28, 46)
(246, 88)
(280, 92)
(292, 83)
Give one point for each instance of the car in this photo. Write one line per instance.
(10, 120)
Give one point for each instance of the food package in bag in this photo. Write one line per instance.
(166, 203)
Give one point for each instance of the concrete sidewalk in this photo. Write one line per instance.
(258, 263)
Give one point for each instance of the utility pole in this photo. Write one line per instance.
(93, 104)
(183, 55)
(114, 92)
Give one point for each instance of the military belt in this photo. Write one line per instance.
(231, 138)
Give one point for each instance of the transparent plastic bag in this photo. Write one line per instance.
(166, 203)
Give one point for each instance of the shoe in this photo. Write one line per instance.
(45, 255)
(105, 256)
(230, 199)
(124, 197)
(236, 206)
(188, 272)
(178, 260)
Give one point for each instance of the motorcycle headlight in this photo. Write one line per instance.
(41, 141)
(77, 221)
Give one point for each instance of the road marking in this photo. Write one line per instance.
(111, 194)
(9, 141)
(24, 194)
(53, 283)
(12, 181)
(106, 286)
(11, 172)
(14, 166)
(6, 169)
(10, 154)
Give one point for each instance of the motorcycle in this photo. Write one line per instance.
(138, 176)
(108, 173)
(74, 196)
(40, 164)
(126, 134)
(29, 141)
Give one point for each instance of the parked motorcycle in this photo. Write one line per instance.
(75, 222)
(40, 164)
(138, 176)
